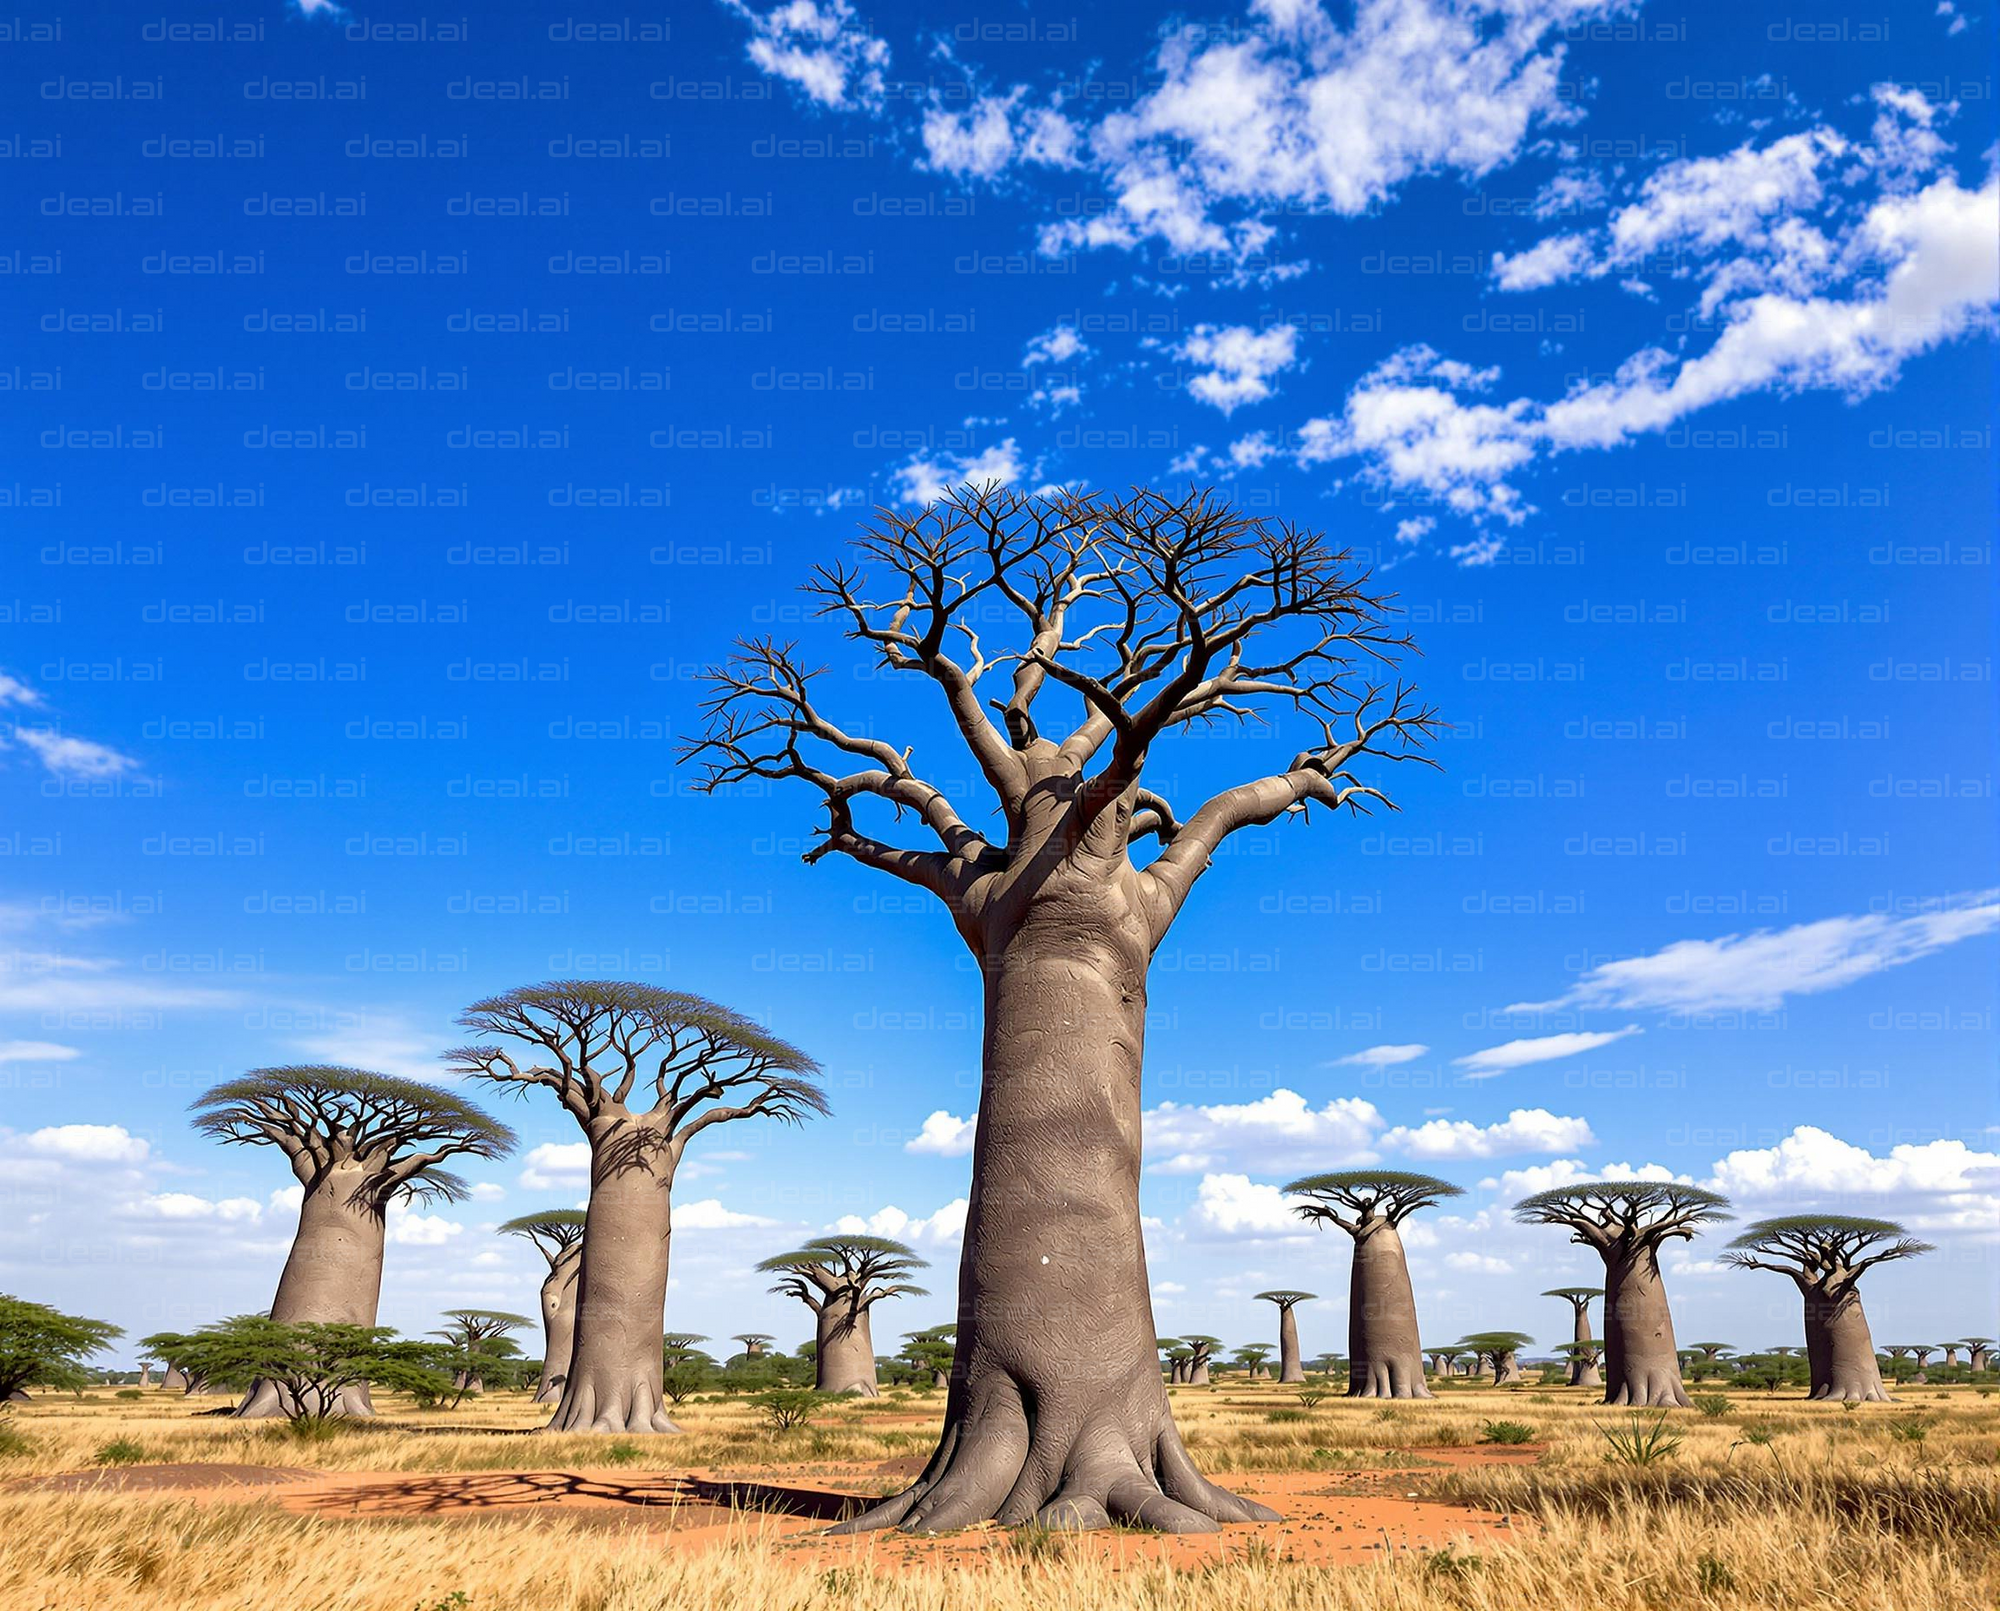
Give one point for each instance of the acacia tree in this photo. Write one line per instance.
(43, 1347)
(1150, 614)
(1625, 1221)
(1825, 1255)
(931, 1350)
(558, 1236)
(478, 1341)
(1289, 1367)
(1580, 1300)
(1499, 1349)
(643, 1071)
(1387, 1359)
(842, 1278)
(357, 1142)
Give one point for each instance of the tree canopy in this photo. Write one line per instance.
(323, 1115)
(854, 1271)
(1605, 1213)
(1821, 1251)
(1367, 1194)
(312, 1363)
(554, 1231)
(1285, 1299)
(43, 1347)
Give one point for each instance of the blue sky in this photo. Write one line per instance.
(402, 409)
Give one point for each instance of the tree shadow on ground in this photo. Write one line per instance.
(700, 1500)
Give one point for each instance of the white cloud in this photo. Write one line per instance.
(1761, 969)
(1241, 362)
(88, 1143)
(1279, 1131)
(1523, 1130)
(944, 1136)
(67, 756)
(1513, 1184)
(924, 480)
(1252, 451)
(946, 1225)
(1539, 1049)
(1055, 346)
(1936, 1185)
(1477, 1264)
(994, 133)
(1381, 1056)
(13, 691)
(556, 1166)
(43, 982)
(1547, 262)
(186, 1206)
(708, 1214)
(1235, 1205)
(1293, 111)
(487, 1191)
(409, 1228)
(36, 1051)
(823, 47)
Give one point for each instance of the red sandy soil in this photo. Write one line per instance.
(1331, 1518)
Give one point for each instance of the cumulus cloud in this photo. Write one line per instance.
(88, 1143)
(410, 1228)
(944, 1136)
(946, 1225)
(822, 47)
(1235, 1205)
(556, 1166)
(1239, 362)
(1935, 1185)
(186, 1206)
(1761, 969)
(1538, 1049)
(994, 134)
(708, 1214)
(1281, 1131)
(1523, 1130)
(1381, 1056)
(1477, 1264)
(926, 478)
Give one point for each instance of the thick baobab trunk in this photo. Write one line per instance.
(172, 1381)
(1642, 1365)
(1057, 1413)
(616, 1361)
(1507, 1369)
(1582, 1335)
(1386, 1360)
(844, 1361)
(1198, 1374)
(940, 1378)
(333, 1275)
(558, 1323)
(1840, 1352)
(1289, 1368)
(1587, 1374)
(1975, 1357)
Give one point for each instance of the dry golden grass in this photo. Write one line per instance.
(1833, 1508)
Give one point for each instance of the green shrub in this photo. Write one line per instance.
(1712, 1404)
(1279, 1417)
(1712, 1576)
(119, 1452)
(1506, 1432)
(622, 1453)
(788, 1407)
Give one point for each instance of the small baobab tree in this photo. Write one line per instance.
(1978, 1349)
(1579, 1299)
(1371, 1205)
(643, 1071)
(1625, 1222)
(356, 1142)
(756, 1344)
(1148, 615)
(1501, 1350)
(931, 1350)
(1178, 1356)
(1201, 1355)
(558, 1236)
(1289, 1367)
(1825, 1256)
(841, 1279)
(1253, 1359)
(478, 1341)
(1584, 1356)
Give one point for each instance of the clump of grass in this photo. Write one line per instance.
(13, 1446)
(1712, 1404)
(457, 1600)
(1038, 1543)
(1909, 1428)
(1450, 1564)
(130, 1392)
(119, 1452)
(622, 1453)
(1312, 1397)
(1279, 1417)
(1506, 1432)
(1712, 1575)
(1638, 1444)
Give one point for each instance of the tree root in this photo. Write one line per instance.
(635, 1409)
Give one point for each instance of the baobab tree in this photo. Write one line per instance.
(558, 1236)
(1370, 1205)
(931, 1350)
(1151, 615)
(841, 1279)
(1583, 1355)
(1501, 1350)
(755, 1343)
(643, 1071)
(478, 1339)
(356, 1142)
(1579, 1299)
(1178, 1357)
(1625, 1221)
(1289, 1367)
(1253, 1359)
(1201, 1353)
(1825, 1255)
(1977, 1349)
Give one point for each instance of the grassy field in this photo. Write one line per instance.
(1768, 1501)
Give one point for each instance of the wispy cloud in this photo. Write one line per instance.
(1537, 1049)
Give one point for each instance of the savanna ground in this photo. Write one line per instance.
(112, 1502)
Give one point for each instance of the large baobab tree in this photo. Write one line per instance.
(1579, 1299)
(1386, 1359)
(356, 1142)
(841, 1279)
(558, 1236)
(1825, 1255)
(643, 1071)
(1289, 1367)
(1149, 615)
(1625, 1222)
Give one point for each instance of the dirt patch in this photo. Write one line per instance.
(155, 1479)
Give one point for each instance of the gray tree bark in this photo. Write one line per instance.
(844, 1361)
(559, 1322)
(1642, 1365)
(1289, 1367)
(1385, 1358)
(616, 1359)
(1840, 1352)
(332, 1275)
